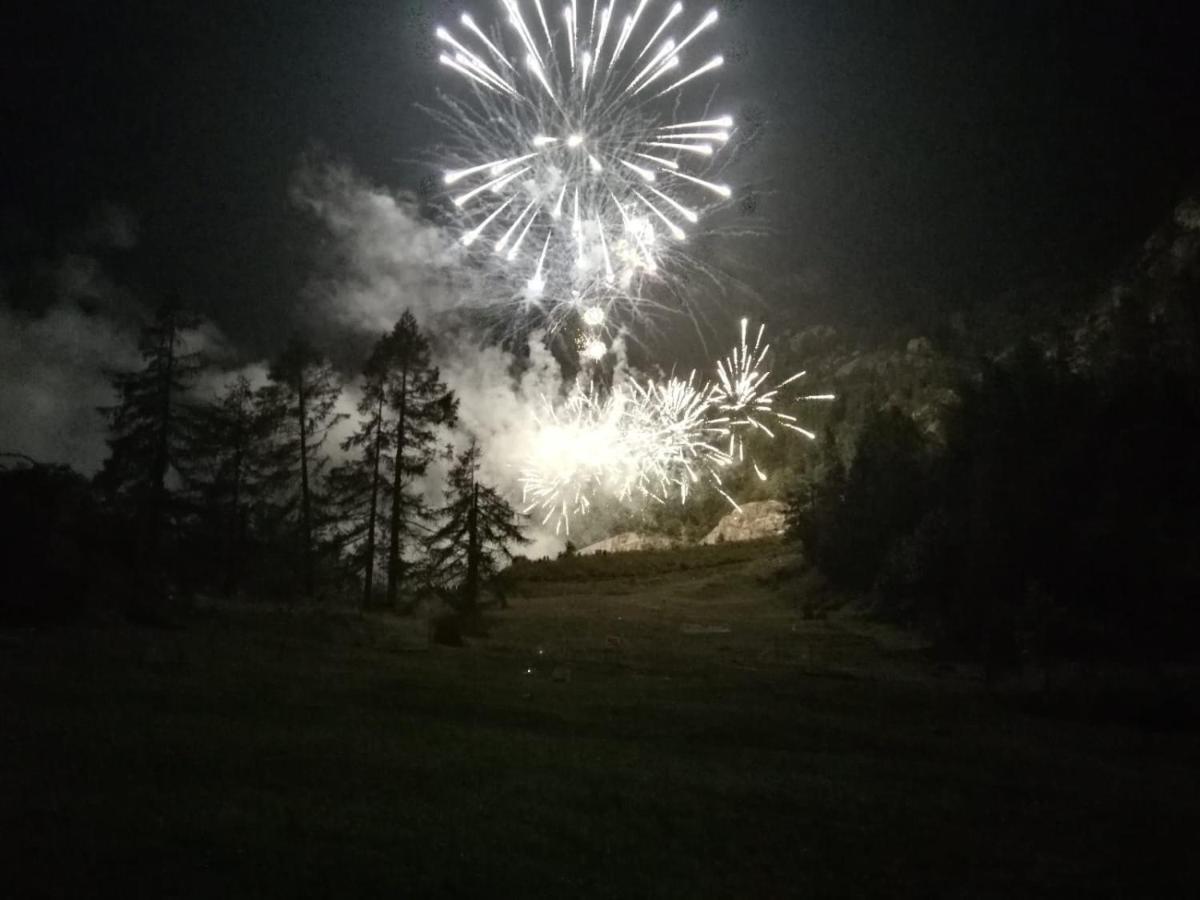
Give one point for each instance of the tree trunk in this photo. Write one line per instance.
(369, 574)
(394, 561)
(305, 498)
(473, 548)
(234, 538)
(158, 485)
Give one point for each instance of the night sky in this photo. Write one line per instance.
(943, 149)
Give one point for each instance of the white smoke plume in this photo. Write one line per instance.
(55, 351)
(383, 259)
(52, 382)
(55, 361)
(498, 409)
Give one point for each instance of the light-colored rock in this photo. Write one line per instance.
(753, 522)
(629, 542)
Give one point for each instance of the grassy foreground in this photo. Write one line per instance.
(676, 730)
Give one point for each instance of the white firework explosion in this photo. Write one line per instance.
(567, 162)
(654, 440)
(675, 442)
(581, 450)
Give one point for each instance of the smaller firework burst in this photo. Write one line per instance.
(676, 443)
(655, 439)
(745, 400)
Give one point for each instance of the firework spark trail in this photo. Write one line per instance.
(654, 440)
(743, 398)
(565, 161)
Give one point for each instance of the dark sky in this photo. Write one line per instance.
(911, 148)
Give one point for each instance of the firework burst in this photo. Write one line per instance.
(654, 440)
(744, 398)
(566, 161)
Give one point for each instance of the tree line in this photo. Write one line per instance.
(1047, 510)
(242, 493)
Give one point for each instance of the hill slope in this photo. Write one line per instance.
(665, 726)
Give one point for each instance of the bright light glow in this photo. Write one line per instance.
(455, 177)
(578, 88)
(595, 349)
(652, 440)
(593, 316)
(494, 184)
(699, 149)
(715, 63)
(725, 122)
(643, 173)
(665, 163)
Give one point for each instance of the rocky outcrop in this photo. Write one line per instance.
(629, 542)
(753, 522)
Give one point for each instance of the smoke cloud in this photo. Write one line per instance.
(52, 383)
(382, 258)
(55, 362)
(54, 357)
(379, 257)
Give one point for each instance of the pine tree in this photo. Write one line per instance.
(147, 429)
(480, 526)
(226, 471)
(359, 483)
(300, 402)
(418, 402)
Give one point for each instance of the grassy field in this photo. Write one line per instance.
(666, 727)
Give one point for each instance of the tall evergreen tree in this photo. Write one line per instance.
(147, 429)
(300, 402)
(360, 483)
(226, 471)
(480, 527)
(418, 402)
